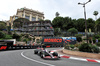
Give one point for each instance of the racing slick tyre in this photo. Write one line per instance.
(55, 54)
(35, 52)
(41, 55)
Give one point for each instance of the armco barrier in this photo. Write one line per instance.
(2, 48)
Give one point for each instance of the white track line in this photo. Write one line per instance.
(35, 60)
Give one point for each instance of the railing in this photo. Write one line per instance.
(36, 25)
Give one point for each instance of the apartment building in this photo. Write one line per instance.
(36, 28)
(29, 14)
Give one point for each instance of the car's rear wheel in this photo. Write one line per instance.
(35, 52)
(41, 55)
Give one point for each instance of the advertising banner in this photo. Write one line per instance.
(70, 40)
(52, 40)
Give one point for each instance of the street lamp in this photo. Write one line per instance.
(85, 16)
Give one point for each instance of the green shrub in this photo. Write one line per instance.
(79, 39)
(85, 47)
(94, 40)
(78, 35)
(76, 45)
(72, 30)
(8, 37)
(2, 35)
(38, 41)
(98, 44)
(67, 46)
(90, 41)
(84, 39)
(72, 46)
(98, 39)
(97, 36)
(25, 40)
(95, 49)
(16, 36)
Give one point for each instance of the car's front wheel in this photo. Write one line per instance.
(55, 54)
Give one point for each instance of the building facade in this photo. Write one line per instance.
(29, 14)
(36, 28)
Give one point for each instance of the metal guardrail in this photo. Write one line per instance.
(4, 48)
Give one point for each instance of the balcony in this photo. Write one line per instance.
(47, 24)
(25, 25)
(17, 29)
(37, 29)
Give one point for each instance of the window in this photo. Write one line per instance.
(27, 17)
(39, 19)
(22, 15)
(33, 19)
(16, 17)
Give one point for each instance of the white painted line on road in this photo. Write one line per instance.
(35, 60)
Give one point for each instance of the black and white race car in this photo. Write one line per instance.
(45, 54)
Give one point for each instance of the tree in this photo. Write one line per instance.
(58, 22)
(57, 31)
(9, 29)
(90, 24)
(21, 20)
(57, 14)
(80, 25)
(2, 35)
(68, 23)
(97, 25)
(16, 36)
(95, 13)
(79, 37)
(47, 20)
(18, 22)
(2, 25)
(41, 20)
(73, 31)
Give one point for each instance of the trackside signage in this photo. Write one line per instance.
(3, 47)
(52, 40)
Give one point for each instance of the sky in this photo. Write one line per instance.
(66, 8)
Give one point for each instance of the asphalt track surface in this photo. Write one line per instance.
(28, 58)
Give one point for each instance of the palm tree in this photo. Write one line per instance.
(57, 14)
(97, 24)
(95, 13)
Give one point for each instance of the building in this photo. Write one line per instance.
(29, 14)
(36, 28)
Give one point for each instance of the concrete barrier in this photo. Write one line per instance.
(82, 54)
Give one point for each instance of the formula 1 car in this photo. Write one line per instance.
(45, 54)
